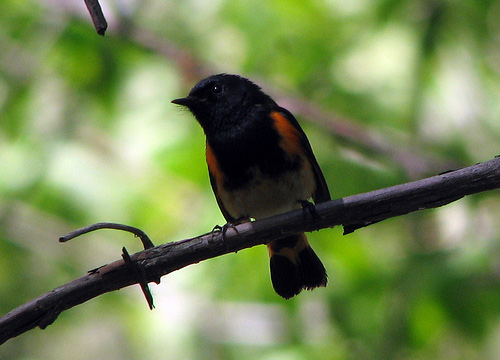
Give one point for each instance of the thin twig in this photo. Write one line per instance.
(140, 276)
(146, 241)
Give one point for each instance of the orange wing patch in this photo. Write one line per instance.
(292, 145)
(290, 137)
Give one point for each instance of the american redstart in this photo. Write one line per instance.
(260, 164)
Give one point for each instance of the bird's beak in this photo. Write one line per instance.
(185, 101)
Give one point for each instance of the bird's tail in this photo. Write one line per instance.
(295, 266)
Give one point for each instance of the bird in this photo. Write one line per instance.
(260, 164)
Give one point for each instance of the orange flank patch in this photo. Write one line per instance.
(213, 165)
(290, 136)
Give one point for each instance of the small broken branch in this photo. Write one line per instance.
(97, 16)
(352, 212)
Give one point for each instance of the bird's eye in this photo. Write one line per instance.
(217, 89)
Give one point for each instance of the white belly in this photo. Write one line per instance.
(264, 197)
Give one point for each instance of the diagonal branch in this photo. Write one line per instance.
(352, 212)
(413, 159)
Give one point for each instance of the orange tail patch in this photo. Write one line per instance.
(295, 266)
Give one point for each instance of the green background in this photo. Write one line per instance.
(88, 134)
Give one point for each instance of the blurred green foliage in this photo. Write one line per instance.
(88, 134)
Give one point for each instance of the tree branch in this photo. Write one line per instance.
(415, 161)
(352, 212)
